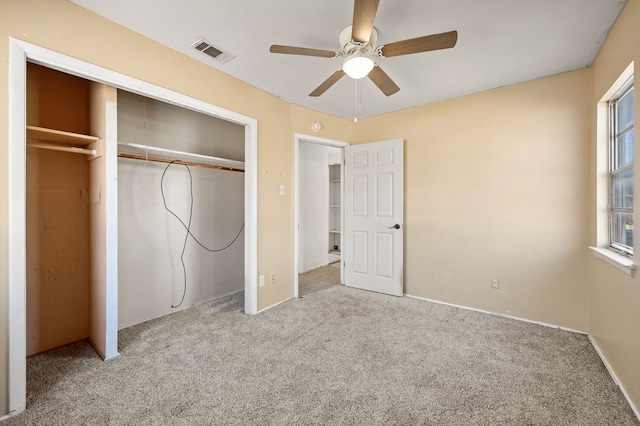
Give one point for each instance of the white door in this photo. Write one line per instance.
(373, 213)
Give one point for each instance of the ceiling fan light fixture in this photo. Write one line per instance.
(357, 66)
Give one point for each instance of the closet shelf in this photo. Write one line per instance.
(59, 140)
(151, 153)
(42, 134)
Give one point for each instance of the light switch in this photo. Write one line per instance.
(281, 189)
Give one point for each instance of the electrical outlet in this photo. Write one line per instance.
(273, 278)
(495, 282)
(261, 280)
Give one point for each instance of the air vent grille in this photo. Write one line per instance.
(215, 52)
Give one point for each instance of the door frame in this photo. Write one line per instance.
(21, 52)
(298, 139)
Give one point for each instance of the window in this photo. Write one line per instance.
(621, 170)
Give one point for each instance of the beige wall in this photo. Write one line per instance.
(495, 187)
(614, 308)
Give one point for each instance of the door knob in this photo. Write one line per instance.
(396, 226)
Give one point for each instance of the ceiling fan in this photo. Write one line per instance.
(358, 48)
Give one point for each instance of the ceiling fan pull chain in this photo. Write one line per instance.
(355, 103)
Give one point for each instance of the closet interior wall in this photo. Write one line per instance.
(151, 240)
(58, 218)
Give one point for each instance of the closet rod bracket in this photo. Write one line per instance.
(97, 150)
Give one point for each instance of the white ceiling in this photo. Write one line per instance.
(500, 42)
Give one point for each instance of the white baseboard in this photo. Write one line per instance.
(613, 376)
(275, 304)
(591, 339)
(544, 324)
(13, 413)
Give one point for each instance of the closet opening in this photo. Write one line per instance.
(98, 148)
(180, 209)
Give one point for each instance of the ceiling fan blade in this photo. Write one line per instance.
(364, 13)
(383, 81)
(327, 83)
(420, 44)
(276, 48)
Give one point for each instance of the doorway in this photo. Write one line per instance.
(318, 214)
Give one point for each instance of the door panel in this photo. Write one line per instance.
(359, 253)
(360, 196)
(384, 199)
(384, 255)
(373, 205)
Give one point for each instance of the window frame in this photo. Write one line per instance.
(613, 169)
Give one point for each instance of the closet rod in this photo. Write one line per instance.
(53, 147)
(146, 150)
(181, 162)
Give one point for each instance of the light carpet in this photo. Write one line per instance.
(337, 356)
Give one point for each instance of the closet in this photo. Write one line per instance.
(176, 165)
(103, 251)
(66, 247)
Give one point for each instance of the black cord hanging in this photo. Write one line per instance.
(187, 227)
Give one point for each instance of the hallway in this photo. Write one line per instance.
(319, 279)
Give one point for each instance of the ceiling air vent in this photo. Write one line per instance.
(215, 52)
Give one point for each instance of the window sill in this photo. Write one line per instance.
(621, 262)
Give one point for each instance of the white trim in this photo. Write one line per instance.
(274, 305)
(8, 416)
(251, 216)
(602, 177)
(544, 324)
(20, 51)
(298, 138)
(623, 263)
(622, 79)
(17, 350)
(111, 231)
(613, 375)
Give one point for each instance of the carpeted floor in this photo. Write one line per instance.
(337, 356)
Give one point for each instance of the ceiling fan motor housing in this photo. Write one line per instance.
(349, 47)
